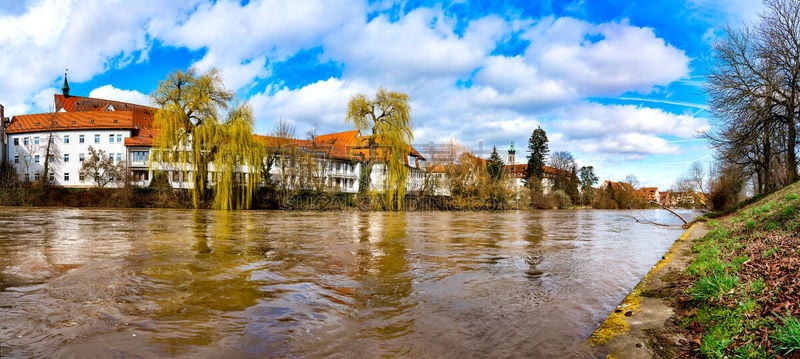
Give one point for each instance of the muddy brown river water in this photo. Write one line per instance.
(178, 283)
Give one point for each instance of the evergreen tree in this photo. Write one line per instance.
(588, 180)
(495, 165)
(538, 150)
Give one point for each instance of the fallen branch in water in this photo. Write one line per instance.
(644, 220)
(685, 223)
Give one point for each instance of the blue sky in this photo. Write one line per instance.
(619, 84)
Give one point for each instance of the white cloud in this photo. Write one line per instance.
(239, 40)
(89, 37)
(421, 44)
(626, 130)
(110, 92)
(323, 103)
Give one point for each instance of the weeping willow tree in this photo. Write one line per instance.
(198, 134)
(388, 118)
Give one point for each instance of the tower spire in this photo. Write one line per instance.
(65, 89)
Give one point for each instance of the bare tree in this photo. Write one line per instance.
(754, 95)
(284, 129)
(101, 168)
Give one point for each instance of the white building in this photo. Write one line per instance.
(124, 132)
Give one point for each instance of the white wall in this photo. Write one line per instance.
(67, 166)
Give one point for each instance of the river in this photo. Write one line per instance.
(251, 284)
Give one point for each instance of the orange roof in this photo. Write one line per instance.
(345, 145)
(82, 104)
(518, 170)
(142, 137)
(65, 121)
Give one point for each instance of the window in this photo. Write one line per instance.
(96, 138)
(81, 177)
(36, 159)
(51, 177)
(26, 141)
(36, 176)
(119, 157)
(16, 159)
(16, 141)
(36, 140)
(66, 157)
(111, 157)
(66, 176)
(140, 156)
(66, 139)
(80, 157)
(119, 138)
(111, 138)
(81, 138)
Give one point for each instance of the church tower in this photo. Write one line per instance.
(512, 154)
(65, 89)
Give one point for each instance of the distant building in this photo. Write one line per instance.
(687, 199)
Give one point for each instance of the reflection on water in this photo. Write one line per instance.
(156, 283)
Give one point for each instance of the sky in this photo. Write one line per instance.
(619, 84)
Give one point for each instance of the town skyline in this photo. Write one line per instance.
(618, 86)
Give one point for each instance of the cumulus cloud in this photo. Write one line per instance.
(624, 129)
(239, 40)
(420, 44)
(570, 59)
(323, 103)
(110, 92)
(89, 37)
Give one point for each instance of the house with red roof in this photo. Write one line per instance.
(76, 124)
(125, 132)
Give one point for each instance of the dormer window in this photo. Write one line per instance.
(36, 124)
(73, 122)
(110, 108)
(115, 121)
(91, 122)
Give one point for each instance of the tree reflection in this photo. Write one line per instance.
(383, 273)
(195, 282)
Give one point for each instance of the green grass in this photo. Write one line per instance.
(787, 337)
(757, 286)
(726, 305)
(713, 286)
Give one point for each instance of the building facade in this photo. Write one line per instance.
(124, 132)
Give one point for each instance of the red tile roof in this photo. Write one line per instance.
(82, 104)
(142, 137)
(518, 170)
(347, 145)
(65, 121)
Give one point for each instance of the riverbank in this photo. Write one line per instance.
(625, 332)
(727, 288)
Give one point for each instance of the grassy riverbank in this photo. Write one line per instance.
(740, 295)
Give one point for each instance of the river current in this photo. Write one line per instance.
(159, 283)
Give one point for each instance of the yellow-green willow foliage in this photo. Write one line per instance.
(193, 133)
(237, 162)
(388, 117)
